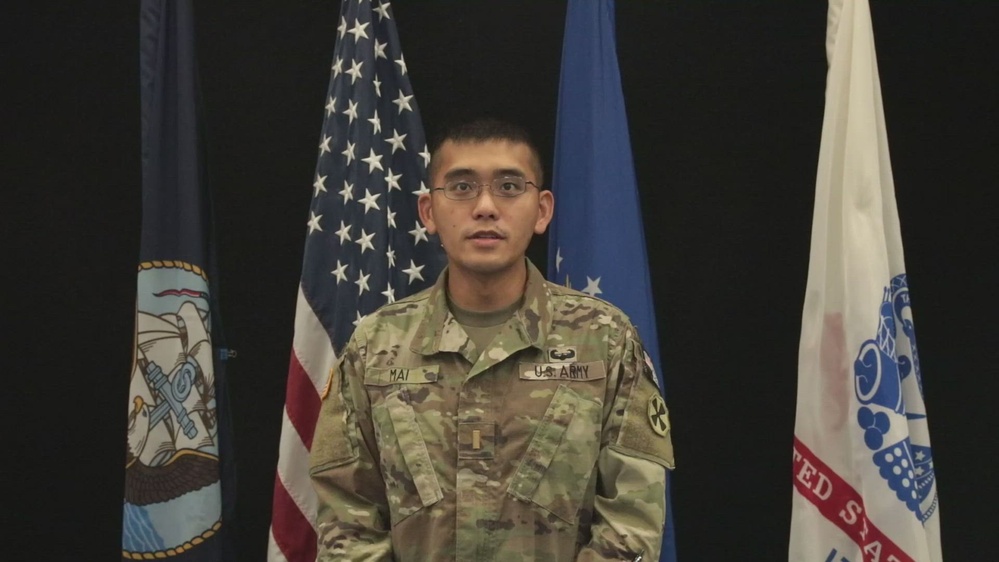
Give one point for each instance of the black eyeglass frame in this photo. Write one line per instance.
(493, 186)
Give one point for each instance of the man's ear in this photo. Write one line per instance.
(425, 208)
(546, 206)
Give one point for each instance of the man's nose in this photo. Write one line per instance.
(485, 204)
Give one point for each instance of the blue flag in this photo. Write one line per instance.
(596, 243)
(178, 470)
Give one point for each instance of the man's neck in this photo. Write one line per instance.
(486, 292)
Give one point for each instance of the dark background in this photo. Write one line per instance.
(725, 105)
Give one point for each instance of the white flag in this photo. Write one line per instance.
(864, 486)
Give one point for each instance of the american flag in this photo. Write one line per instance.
(364, 247)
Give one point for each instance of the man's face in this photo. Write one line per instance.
(487, 235)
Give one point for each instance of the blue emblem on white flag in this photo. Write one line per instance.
(886, 372)
(865, 426)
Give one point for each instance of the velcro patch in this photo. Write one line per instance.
(335, 441)
(567, 372)
(401, 375)
(645, 429)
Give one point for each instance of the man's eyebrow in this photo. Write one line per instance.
(468, 172)
(459, 173)
(514, 172)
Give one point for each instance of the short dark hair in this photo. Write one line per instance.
(482, 130)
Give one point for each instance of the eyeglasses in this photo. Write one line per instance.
(464, 190)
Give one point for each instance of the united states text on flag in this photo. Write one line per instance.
(596, 243)
(863, 479)
(364, 246)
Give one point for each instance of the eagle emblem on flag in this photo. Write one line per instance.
(888, 385)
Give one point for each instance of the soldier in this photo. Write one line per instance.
(494, 416)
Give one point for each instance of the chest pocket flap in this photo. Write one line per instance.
(556, 469)
(410, 479)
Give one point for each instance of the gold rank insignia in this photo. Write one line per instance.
(658, 417)
(329, 384)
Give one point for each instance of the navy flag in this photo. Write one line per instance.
(596, 242)
(177, 502)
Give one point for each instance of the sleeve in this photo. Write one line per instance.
(352, 519)
(636, 450)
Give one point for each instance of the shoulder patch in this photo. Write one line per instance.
(334, 442)
(657, 415)
(645, 428)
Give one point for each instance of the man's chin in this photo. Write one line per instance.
(487, 267)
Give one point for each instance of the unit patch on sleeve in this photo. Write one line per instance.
(657, 415)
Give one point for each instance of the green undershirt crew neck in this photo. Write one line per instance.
(482, 327)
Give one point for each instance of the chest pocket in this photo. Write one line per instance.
(410, 480)
(555, 471)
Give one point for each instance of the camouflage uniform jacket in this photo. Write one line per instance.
(551, 445)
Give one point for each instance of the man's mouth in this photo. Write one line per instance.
(486, 235)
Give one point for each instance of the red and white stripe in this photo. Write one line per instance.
(293, 521)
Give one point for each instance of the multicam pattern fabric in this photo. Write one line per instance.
(539, 448)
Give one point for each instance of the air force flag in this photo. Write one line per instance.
(596, 242)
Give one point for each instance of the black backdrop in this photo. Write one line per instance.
(725, 105)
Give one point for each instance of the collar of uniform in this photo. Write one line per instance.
(535, 315)
(532, 319)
